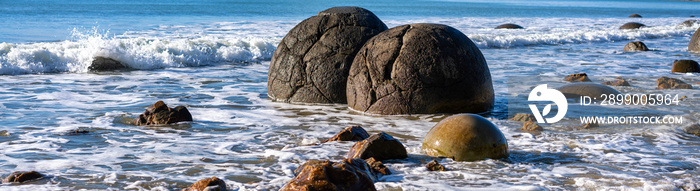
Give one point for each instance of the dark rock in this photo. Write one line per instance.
(688, 23)
(523, 117)
(381, 146)
(592, 90)
(311, 63)
(618, 82)
(578, 77)
(671, 83)
(685, 66)
(435, 166)
(635, 16)
(694, 44)
(693, 129)
(509, 26)
(377, 166)
(420, 68)
(208, 184)
(465, 137)
(19, 177)
(105, 64)
(635, 46)
(531, 126)
(589, 125)
(159, 114)
(352, 133)
(79, 131)
(349, 174)
(632, 25)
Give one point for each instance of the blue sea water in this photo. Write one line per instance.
(213, 57)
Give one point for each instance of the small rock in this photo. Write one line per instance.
(352, 133)
(685, 66)
(19, 177)
(349, 174)
(618, 82)
(4, 133)
(377, 166)
(632, 25)
(635, 16)
(635, 46)
(589, 125)
(465, 137)
(671, 83)
(105, 64)
(79, 131)
(592, 90)
(208, 184)
(509, 26)
(578, 77)
(523, 117)
(381, 146)
(531, 126)
(159, 113)
(693, 129)
(435, 166)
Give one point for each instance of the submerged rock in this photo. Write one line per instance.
(377, 166)
(381, 146)
(635, 16)
(688, 23)
(635, 46)
(619, 81)
(159, 114)
(509, 26)
(312, 61)
(100, 64)
(693, 129)
(465, 137)
(19, 177)
(671, 83)
(208, 184)
(589, 125)
(420, 68)
(352, 133)
(531, 126)
(523, 117)
(592, 90)
(685, 66)
(349, 174)
(435, 166)
(578, 77)
(632, 25)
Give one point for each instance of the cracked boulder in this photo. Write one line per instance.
(312, 61)
(420, 69)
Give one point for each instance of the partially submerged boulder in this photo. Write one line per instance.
(465, 137)
(312, 61)
(632, 25)
(381, 146)
(589, 125)
(349, 174)
(352, 133)
(100, 64)
(671, 83)
(420, 68)
(578, 77)
(159, 114)
(688, 23)
(20, 176)
(635, 16)
(523, 117)
(435, 166)
(635, 46)
(693, 129)
(619, 81)
(208, 184)
(509, 26)
(377, 166)
(592, 90)
(531, 126)
(685, 66)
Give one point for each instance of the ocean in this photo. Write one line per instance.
(213, 57)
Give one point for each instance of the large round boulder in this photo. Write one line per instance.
(311, 63)
(694, 44)
(685, 66)
(632, 25)
(465, 137)
(592, 90)
(420, 68)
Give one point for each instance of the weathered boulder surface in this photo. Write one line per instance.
(352, 133)
(465, 137)
(531, 126)
(100, 64)
(381, 146)
(635, 46)
(671, 83)
(685, 66)
(420, 68)
(632, 25)
(159, 114)
(509, 26)
(435, 166)
(347, 175)
(619, 81)
(312, 61)
(19, 177)
(592, 90)
(578, 77)
(208, 184)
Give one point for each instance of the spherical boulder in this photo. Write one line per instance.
(509, 26)
(312, 61)
(635, 46)
(465, 137)
(685, 66)
(420, 68)
(632, 25)
(592, 90)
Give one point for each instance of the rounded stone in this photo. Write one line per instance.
(632, 25)
(694, 44)
(465, 137)
(635, 16)
(420, 68)
(592, 90)
(311, 63)
(509, 26)
(635, 46)
(685, 66)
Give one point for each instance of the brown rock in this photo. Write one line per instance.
(531, 126)
(693, 129)
(377, 166)
(312, 61)
(19, 177)
(523, 117)
(671, 83)
(435, 166)
(592, 90)
(352, 133)
(618, 82)
(420, 68)
(578, 77)
(159, 114)
(589, 125)
(208, 184)
(685, 66)
(105, 64)
(350, 174)
(635, 16)
(635, 46)
(509, 26)
(465, 137)
(381, 146)
(632, 25)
